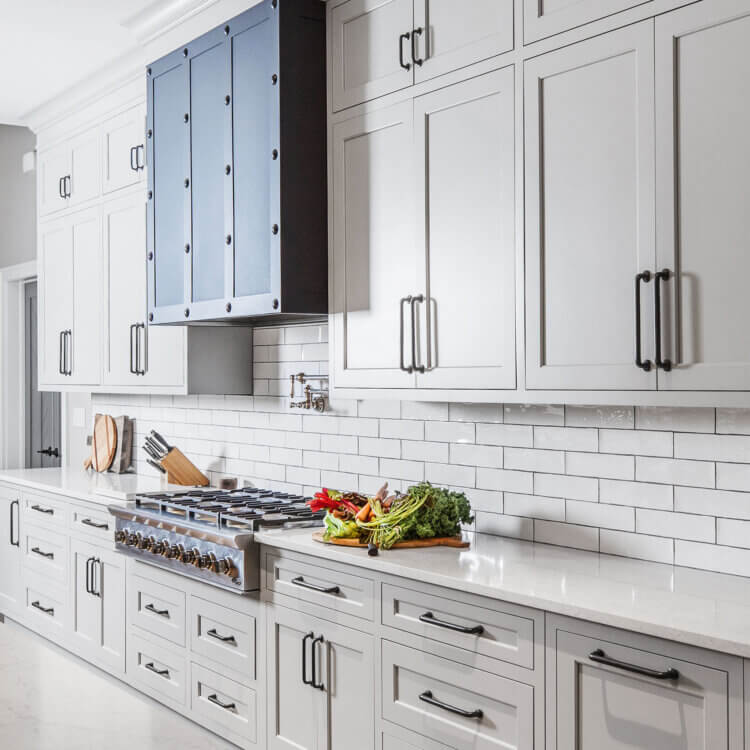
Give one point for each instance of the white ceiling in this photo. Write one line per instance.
(46, 46)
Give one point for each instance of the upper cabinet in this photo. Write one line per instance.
(380, 47)
(237, 169)
(123, 150)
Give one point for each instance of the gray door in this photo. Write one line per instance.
(42, 408)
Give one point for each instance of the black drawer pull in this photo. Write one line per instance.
(47, 610)
(659, 276)
(161, 672)
(223, 638)
(427, 697)
(39, 509)
(160, 612)
(94, 525)
(226, 706)
(430, 619)
(48, 555)
(300, 581)
(601, 658)
(644, 365)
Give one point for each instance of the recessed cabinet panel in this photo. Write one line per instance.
(85, 177)
(54, 166)
(590, 212)
(123, 150)
(703, 179)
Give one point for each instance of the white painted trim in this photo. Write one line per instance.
(159, 18)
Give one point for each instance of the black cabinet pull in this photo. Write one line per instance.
(60, 187)
(414, 367)
(47, 610)
(39, 509)
(427, 697)
(41, 553)
(89, 522)
(660, 276)
(404, 37)
(300, 581)
(140, 367)
(223, 638)
(133, 364)
(414, 34)
(317, 685)
(161, 672)
(140, 151)
(305, 681)
(160, 612)
(226, 706)
(17, 542)
(91, 564)
(645, 365)
(61, 357)
(88, 575)
(430, 619)
(404, 301)
(601, 658)
(133, 168)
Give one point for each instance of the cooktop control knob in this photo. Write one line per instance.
(186, 556)
(197, 560)
(171, 552)
(121, 537)
(141, 541)
(132, 540)
(157, 547)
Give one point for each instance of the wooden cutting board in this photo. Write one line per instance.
(104, 443)
(438, 541)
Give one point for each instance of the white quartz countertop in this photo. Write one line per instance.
(84, 485)
(710, 610)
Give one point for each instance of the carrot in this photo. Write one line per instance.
(364, 513)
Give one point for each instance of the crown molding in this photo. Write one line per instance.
(162, 16)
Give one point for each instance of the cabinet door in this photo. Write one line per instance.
(464, 136)
(589, 212)
(85, 339)
(543, 18)
(85, 609)
(55, 299)
(375, 262)
(703, 177)
(599, 706)
(371, 49)
(456, 34)
(54, 166)
(10, 552)
(123, 150)
(85, 183)
(168, 183)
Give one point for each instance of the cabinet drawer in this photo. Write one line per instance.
(223, 705)
(45, 510)
(46, 605)
(499, 635)
(156, 669)
(98, 524)
(45, 552)
(157, 609)
(327, 587)
(454, 704)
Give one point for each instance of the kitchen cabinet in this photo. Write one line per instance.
(10, 551)
(412, 183)
(381, 47)
(317, 671)
(702, 171)
(235, 139)
(590, 212)
(123, 150)
(97, 608)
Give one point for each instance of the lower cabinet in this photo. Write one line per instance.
(320, 684)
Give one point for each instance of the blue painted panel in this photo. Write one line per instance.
(168, 166)
(252, 66)
(209, 83)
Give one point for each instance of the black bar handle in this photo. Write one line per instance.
(61, 357)
(414, 300)
(139, 150)
(17, 543)
(660, 276)
(132, 162)
(132, 349)
(39, 509)
(300, 581)
(68, 351)
(96, 590)
(161, 672)
(427, 697)
(88, 575)
(404, 301)
(305, 681)
(42, 553)
(645, 365)
(221, 704)
(140, 369)
(404, 37)
(430, 619)
(601, 658)
(94, 525)
(223, 638)
(68, 187)
(414, 34)
(317, 685)
(161, 612)
(47, 610)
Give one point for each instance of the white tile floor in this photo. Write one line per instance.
(52, 700)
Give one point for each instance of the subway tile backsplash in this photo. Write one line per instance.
(664, 484)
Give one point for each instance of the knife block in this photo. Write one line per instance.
(181, 470)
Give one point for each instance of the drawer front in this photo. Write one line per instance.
(46, 605)
(498, 635)
(45, 552)
(157, 609)
(157, 669)
(223, 705)
(97, 524)
(224, 636)
(45, 510)
(457, 705)
(326, 587)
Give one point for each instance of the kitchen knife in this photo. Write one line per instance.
(151, 452)
(156, 448)
(156, 466)
(159, 439)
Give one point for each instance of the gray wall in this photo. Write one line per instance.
(17, 197)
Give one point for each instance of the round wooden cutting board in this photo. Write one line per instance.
(443, 541)
(104, 443)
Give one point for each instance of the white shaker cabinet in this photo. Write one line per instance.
(10, 550)
(123, 150)
(703, 180)
(589, 155)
